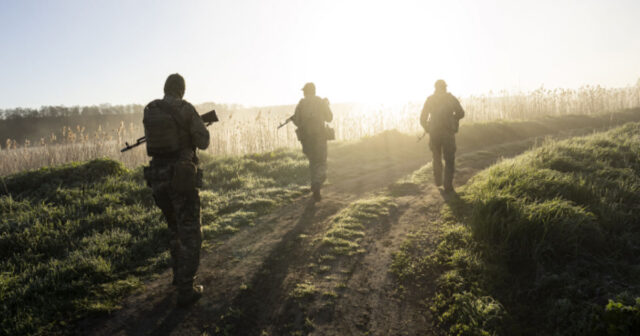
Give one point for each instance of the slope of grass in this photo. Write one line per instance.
(546, 243)
(75, 239)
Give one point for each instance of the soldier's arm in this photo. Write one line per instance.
(197, 129)
(296, 115)
(328, 115)
(424, 116)
(457, 108)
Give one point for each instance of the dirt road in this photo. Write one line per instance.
(249, 277)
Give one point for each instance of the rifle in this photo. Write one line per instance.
(422, 136)
(290, 119)
(208, 118)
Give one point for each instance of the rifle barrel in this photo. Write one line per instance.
(285, 122)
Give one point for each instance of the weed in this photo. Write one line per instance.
(303, 290)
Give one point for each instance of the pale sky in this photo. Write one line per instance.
(251, 52)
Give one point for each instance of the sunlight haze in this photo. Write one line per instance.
(262, 52)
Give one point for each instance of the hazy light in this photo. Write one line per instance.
(261, 52)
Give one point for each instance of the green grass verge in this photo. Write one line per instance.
(545, 243)
(75, 239)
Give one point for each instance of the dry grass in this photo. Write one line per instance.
(254, 130)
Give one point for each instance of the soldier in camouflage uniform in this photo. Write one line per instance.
(174, 130)
(310, 116)
(440, 117)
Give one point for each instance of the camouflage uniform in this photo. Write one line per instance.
(180, 209)
(310, 116)
(440, 117)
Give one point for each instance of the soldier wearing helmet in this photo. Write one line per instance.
(440, 117)
(310, 116)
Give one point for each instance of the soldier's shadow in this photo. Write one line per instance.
(162, 319)
(172, 317)
(249, 309)
(460, 208)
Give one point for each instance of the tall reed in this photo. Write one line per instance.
(253, 130)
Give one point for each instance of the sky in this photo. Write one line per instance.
(261, 52)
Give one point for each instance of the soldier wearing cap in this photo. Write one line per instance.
(310, 116)
(440, 118)
(174, 130)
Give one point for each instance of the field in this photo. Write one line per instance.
(56, 135)
(83, 249)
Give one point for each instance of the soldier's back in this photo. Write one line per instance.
(312, 113)
(441, 108)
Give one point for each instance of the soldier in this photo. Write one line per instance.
(440, 117)
(174, 130)
(310, 116)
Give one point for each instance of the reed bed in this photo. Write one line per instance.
(254, 130)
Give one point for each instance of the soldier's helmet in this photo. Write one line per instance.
(440, 85)
(309, 89)
(174, 85)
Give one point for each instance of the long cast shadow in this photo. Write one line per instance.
(252, 307)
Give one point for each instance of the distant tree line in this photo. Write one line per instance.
(35, 124)
(68, 111)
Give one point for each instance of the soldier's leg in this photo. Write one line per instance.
(163, 201)
(435, 144)
(449, 153)
(187, 209)
(307, 149)
(318, 165)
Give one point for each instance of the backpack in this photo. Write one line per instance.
(162, 128)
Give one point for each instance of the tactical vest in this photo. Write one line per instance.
(164, 129)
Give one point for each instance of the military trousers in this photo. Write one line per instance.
(182, 213)
(316, 152)
(443, 146)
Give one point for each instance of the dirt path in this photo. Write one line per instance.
(371, 304)
(258, 257)
(248, 278)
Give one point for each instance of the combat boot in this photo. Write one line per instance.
(448, 188)
(190, 296)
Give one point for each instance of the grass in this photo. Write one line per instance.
(545, 243)
(346, 229)
(303, 290)
(78, 238)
